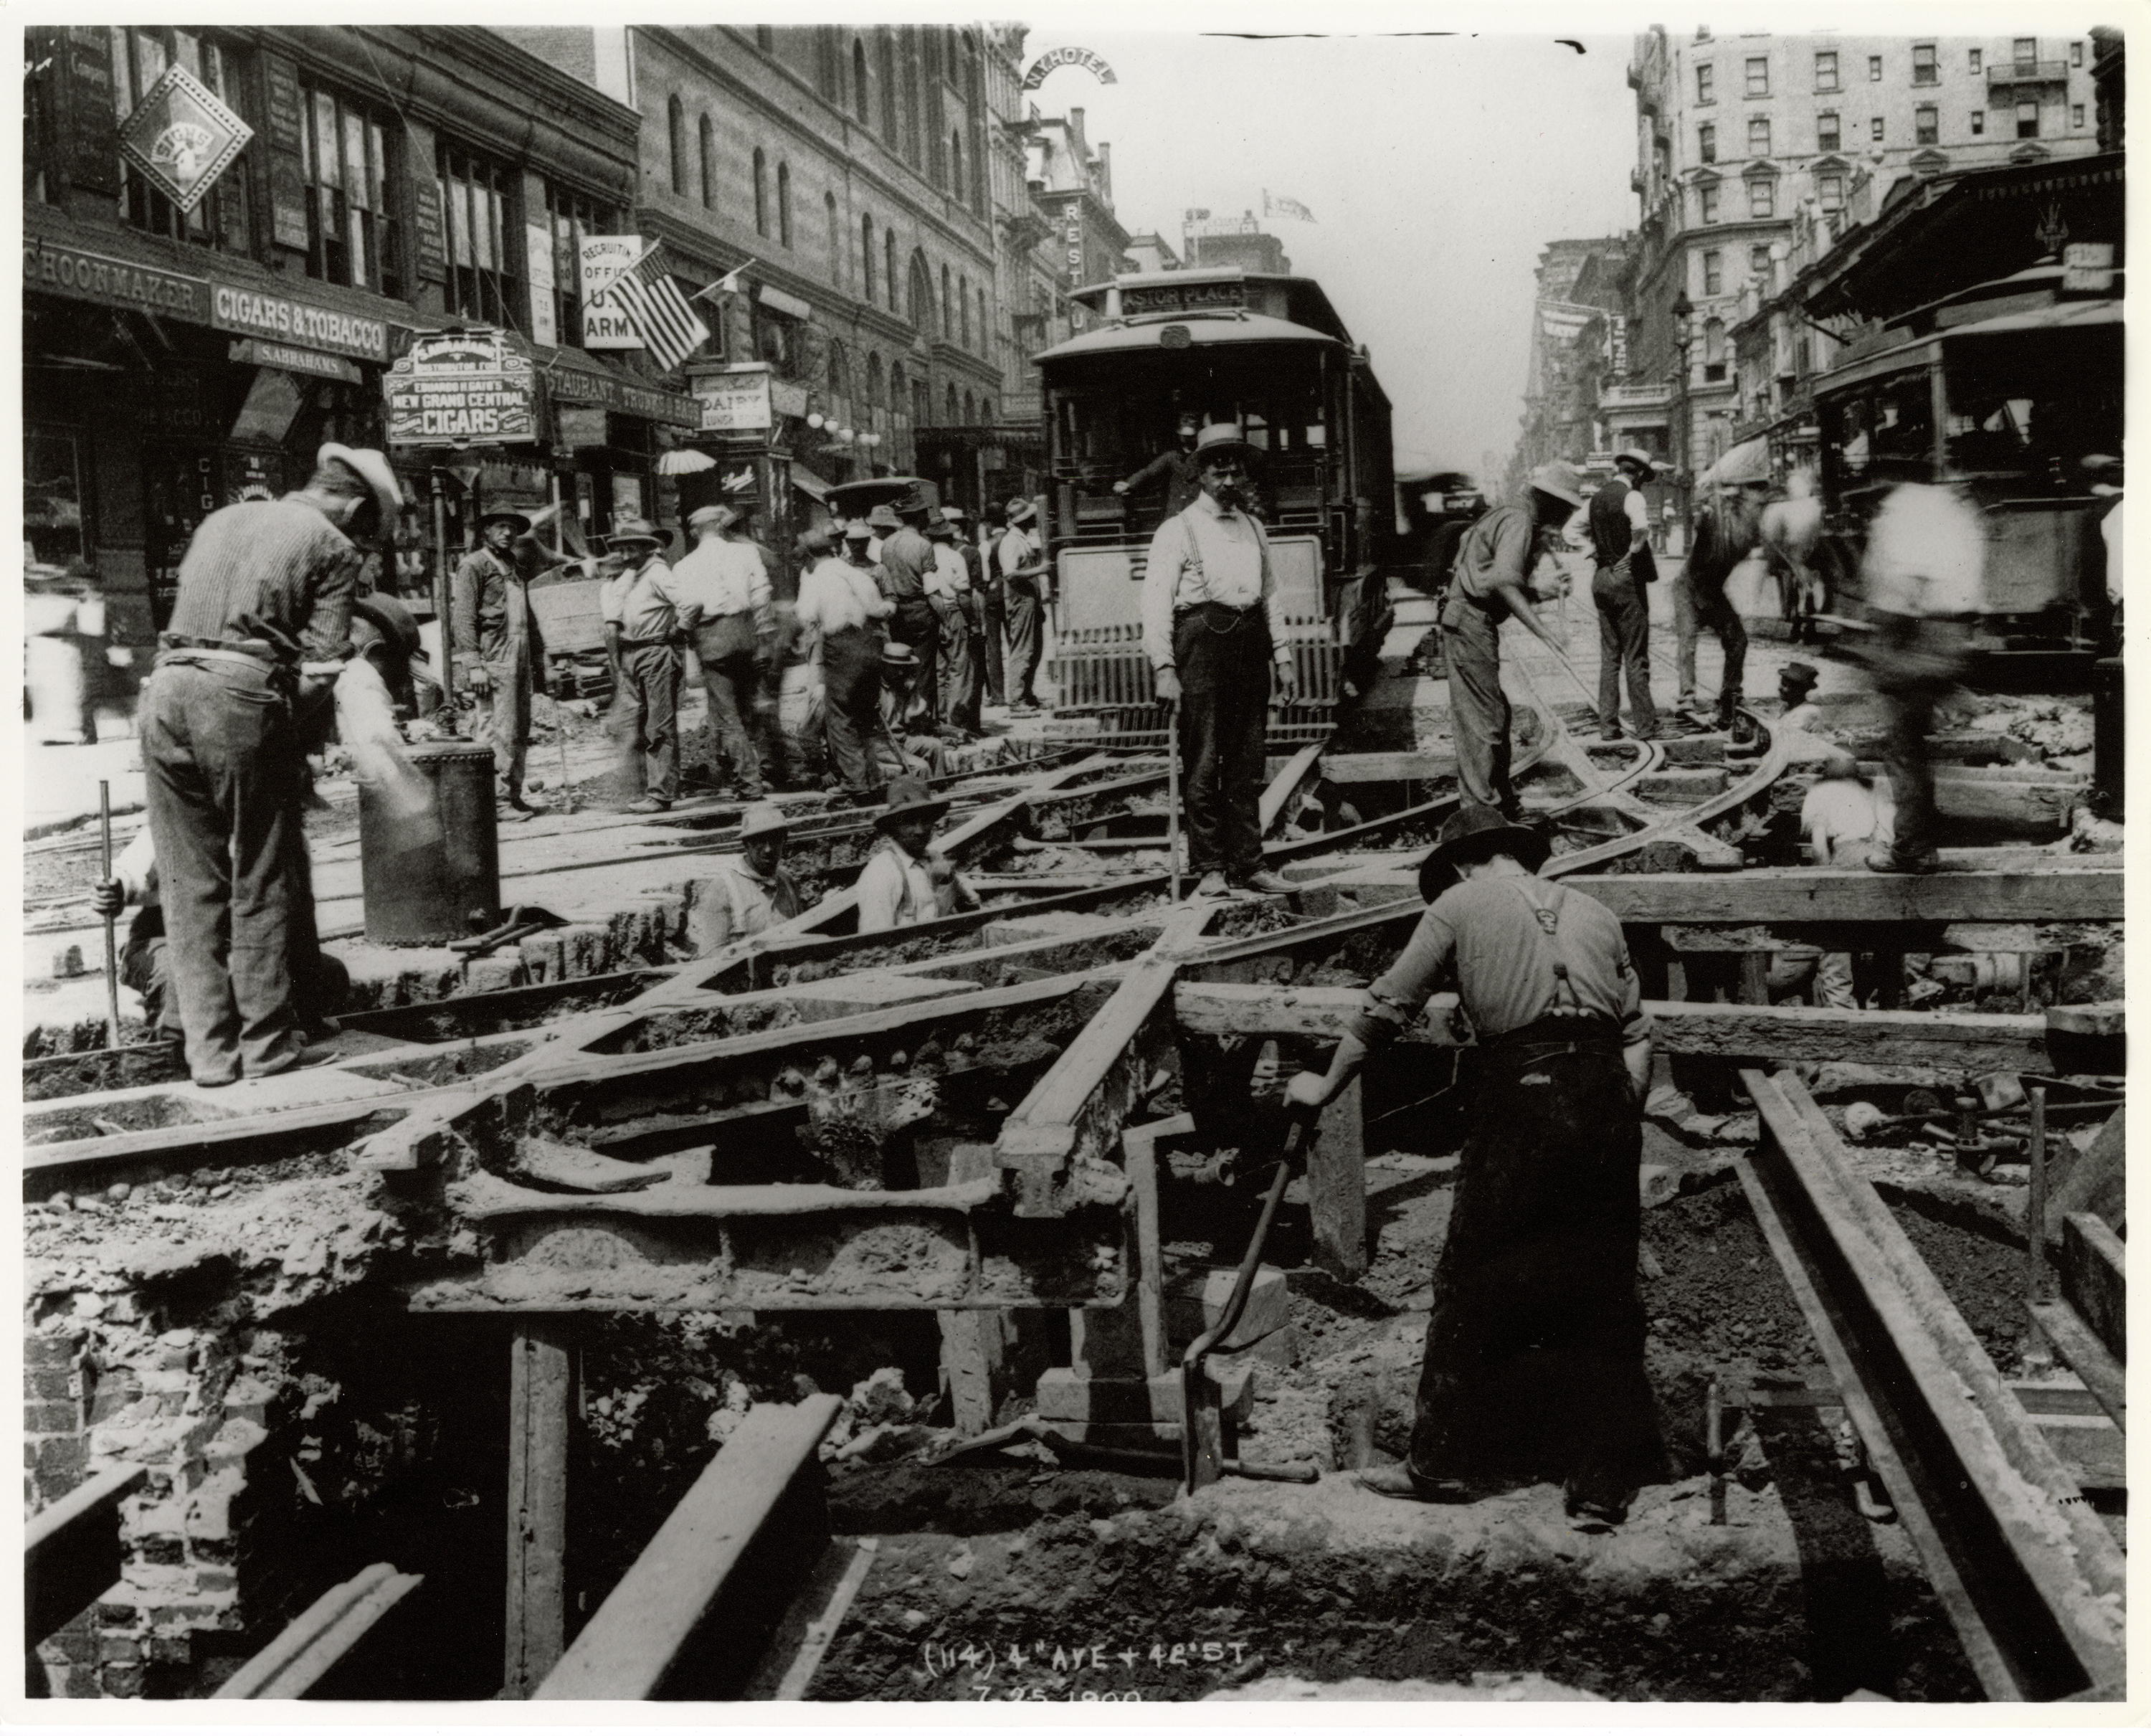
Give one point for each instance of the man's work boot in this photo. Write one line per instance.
(1267, 881)
(1400, 1482)
(648, 805)
(1729, 708)
(1212, 885)
(1609, 732)
(1897, 862)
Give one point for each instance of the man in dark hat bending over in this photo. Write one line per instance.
(1535, 1291)
(497, 655)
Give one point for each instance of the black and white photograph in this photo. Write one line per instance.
(1249, 854)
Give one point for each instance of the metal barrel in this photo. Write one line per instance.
(434, 876)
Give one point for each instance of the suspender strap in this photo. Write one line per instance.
(1565, 1002)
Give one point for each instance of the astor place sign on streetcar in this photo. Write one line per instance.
(182, 138)
(462, 388)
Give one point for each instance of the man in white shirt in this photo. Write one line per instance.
(1025, 592)
(644, 641)
(748, 894)
(908, 881)
(840, 608)
(1844, 820)
(725, 594)
(1214, 631)
(1619, 528)
(948, 589)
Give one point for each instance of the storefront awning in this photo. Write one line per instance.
(809, 484)
(575, 377)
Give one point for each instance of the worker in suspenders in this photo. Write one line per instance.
(1535, 1298)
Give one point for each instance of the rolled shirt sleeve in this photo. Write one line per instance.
(1396, 997)
(1168, 554)
(1272, 600)
(326, 639)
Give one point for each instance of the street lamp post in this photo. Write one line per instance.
(1683, 311)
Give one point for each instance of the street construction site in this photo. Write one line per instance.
(942, 1315)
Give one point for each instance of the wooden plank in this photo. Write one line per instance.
(1979, 1042)
(1401, 767)
(71, 1550)
(810, 1626)
(1337, 1185)
(1297, 774)
(2095, 1181)
(1139, 1155)
(633, 1642)
(2095, 1279)
(972, 1342)
(540, 1415)
(321, 1637)
(2078, 1346)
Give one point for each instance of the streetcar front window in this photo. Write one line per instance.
(2030, 411)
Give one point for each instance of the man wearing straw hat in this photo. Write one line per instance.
(1021, 569)
(724, 589)
(841, 613)
(642, 609)
(908, 881)
(1534, 1358)
(1492, 584)
(497, 650)
(1214, 631)
(1620, 540)
(259, 632)
(749, 893)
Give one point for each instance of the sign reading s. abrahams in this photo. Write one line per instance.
(182, 138)
(462, 388)
(1055, 58)
(603, 258)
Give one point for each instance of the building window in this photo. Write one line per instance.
(887, 46)
(964, 311)
(1978, 122)
(919, 295)
(1874, 69)
(985, 331)
(1709, 204)
(912, 109)
(1974, 58)
(1829, 190)
(1874, 129)
(1758, 268)
(1714, 273)
(761, 193)
(889, 263)
(483, 270)
(709, 153)
(899, 393)
(922, 404)
(675, 119)
(2075, 115)
(1762, 197)
(784, 204)
(1704, 78)
(1706, 142)
(1758, 77)
(953, 418)
(859, 81)
(572, 215)
(826, 76)
(352, 237)
(948, 309)
(140, 56)
(2076, 53)
(970, 411)
(1826, 71)
(1924, 70)
(2027, 50)
(836, 240)
(956, 164)
(1927, 126)
(1758, 137)
(2027, 120)
(1826, 132)
(867, 258)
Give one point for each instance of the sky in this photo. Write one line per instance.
(1436, 168)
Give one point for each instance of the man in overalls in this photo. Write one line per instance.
(497, 654)
(1535, 1300)
(1492, 582)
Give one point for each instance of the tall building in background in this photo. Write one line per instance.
(1576, 324)
(1242, 243)
(1072, 186)
(1740, 138)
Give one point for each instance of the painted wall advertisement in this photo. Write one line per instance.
(462, 388)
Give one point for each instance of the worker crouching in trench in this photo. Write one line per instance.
(1535, 1347)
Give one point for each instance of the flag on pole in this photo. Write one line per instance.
(646, 294)
(1277, 206)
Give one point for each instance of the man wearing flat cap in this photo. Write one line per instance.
(645, 641)
(1620, 523)
(498, 653)
(259, 632)
(1214, 631)
(1534, 1290)
(1491, 585)
(726, 604)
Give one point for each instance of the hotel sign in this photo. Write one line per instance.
(1053, 59)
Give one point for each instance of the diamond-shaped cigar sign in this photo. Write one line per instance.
(182, 138)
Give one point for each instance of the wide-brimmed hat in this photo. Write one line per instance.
(1802, 675)
(762, 818)
(373, 470)
(1220, 438)
(1021, 511)
(939, 528)
(501, 515)
(635, 533)
(820, 539)
(954, 514)
(897, 655)
(722, 517)
(1472, 834)
(910, 797)
(884, 518)
(857, 530)
(395, 622)
(911, 505)
(1636, 456)
(1559, 477)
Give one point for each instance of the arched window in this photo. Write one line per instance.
(761, 193)
(964, 309)
(899, 400)
(836, 240)
(911, 109)
(970, 411)
(985, 331)
(873, 381)
(974, 103)
(956, 163)
(952, 407)
(948, 309)
(889, 260)
(676, 117)
(922, 404)
(784, 203)
(918, 300)
(709, 142)
(866, 257)
(840, 382)
(1713, 343)
(887, 46)
(985, 412)
(859, 80)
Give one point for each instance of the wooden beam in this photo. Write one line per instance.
(2102, 1372)
(2097, 1181)
(635, 1640)
(541, 1400)
(71, 1550)
(2095, 1279)
(1298, 773)
(1337, 1185)
(1979, 1042)
(1407, 767)
(321, 1637)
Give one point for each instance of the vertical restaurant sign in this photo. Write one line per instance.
(182, 138)
(1072, 232)
(544, 320)
(432, 249)
(287, 118)
(462, 388)
(92, 150)
(602, 259)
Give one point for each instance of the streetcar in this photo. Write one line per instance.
(1222, 344)
(2001, 391)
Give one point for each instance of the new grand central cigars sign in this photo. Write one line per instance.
(462, 388)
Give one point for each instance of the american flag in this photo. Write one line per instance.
(647, 295)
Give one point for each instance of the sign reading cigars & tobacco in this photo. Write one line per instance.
(462, 388)
(253, 314)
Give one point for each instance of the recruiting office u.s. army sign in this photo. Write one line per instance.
(182, 138)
